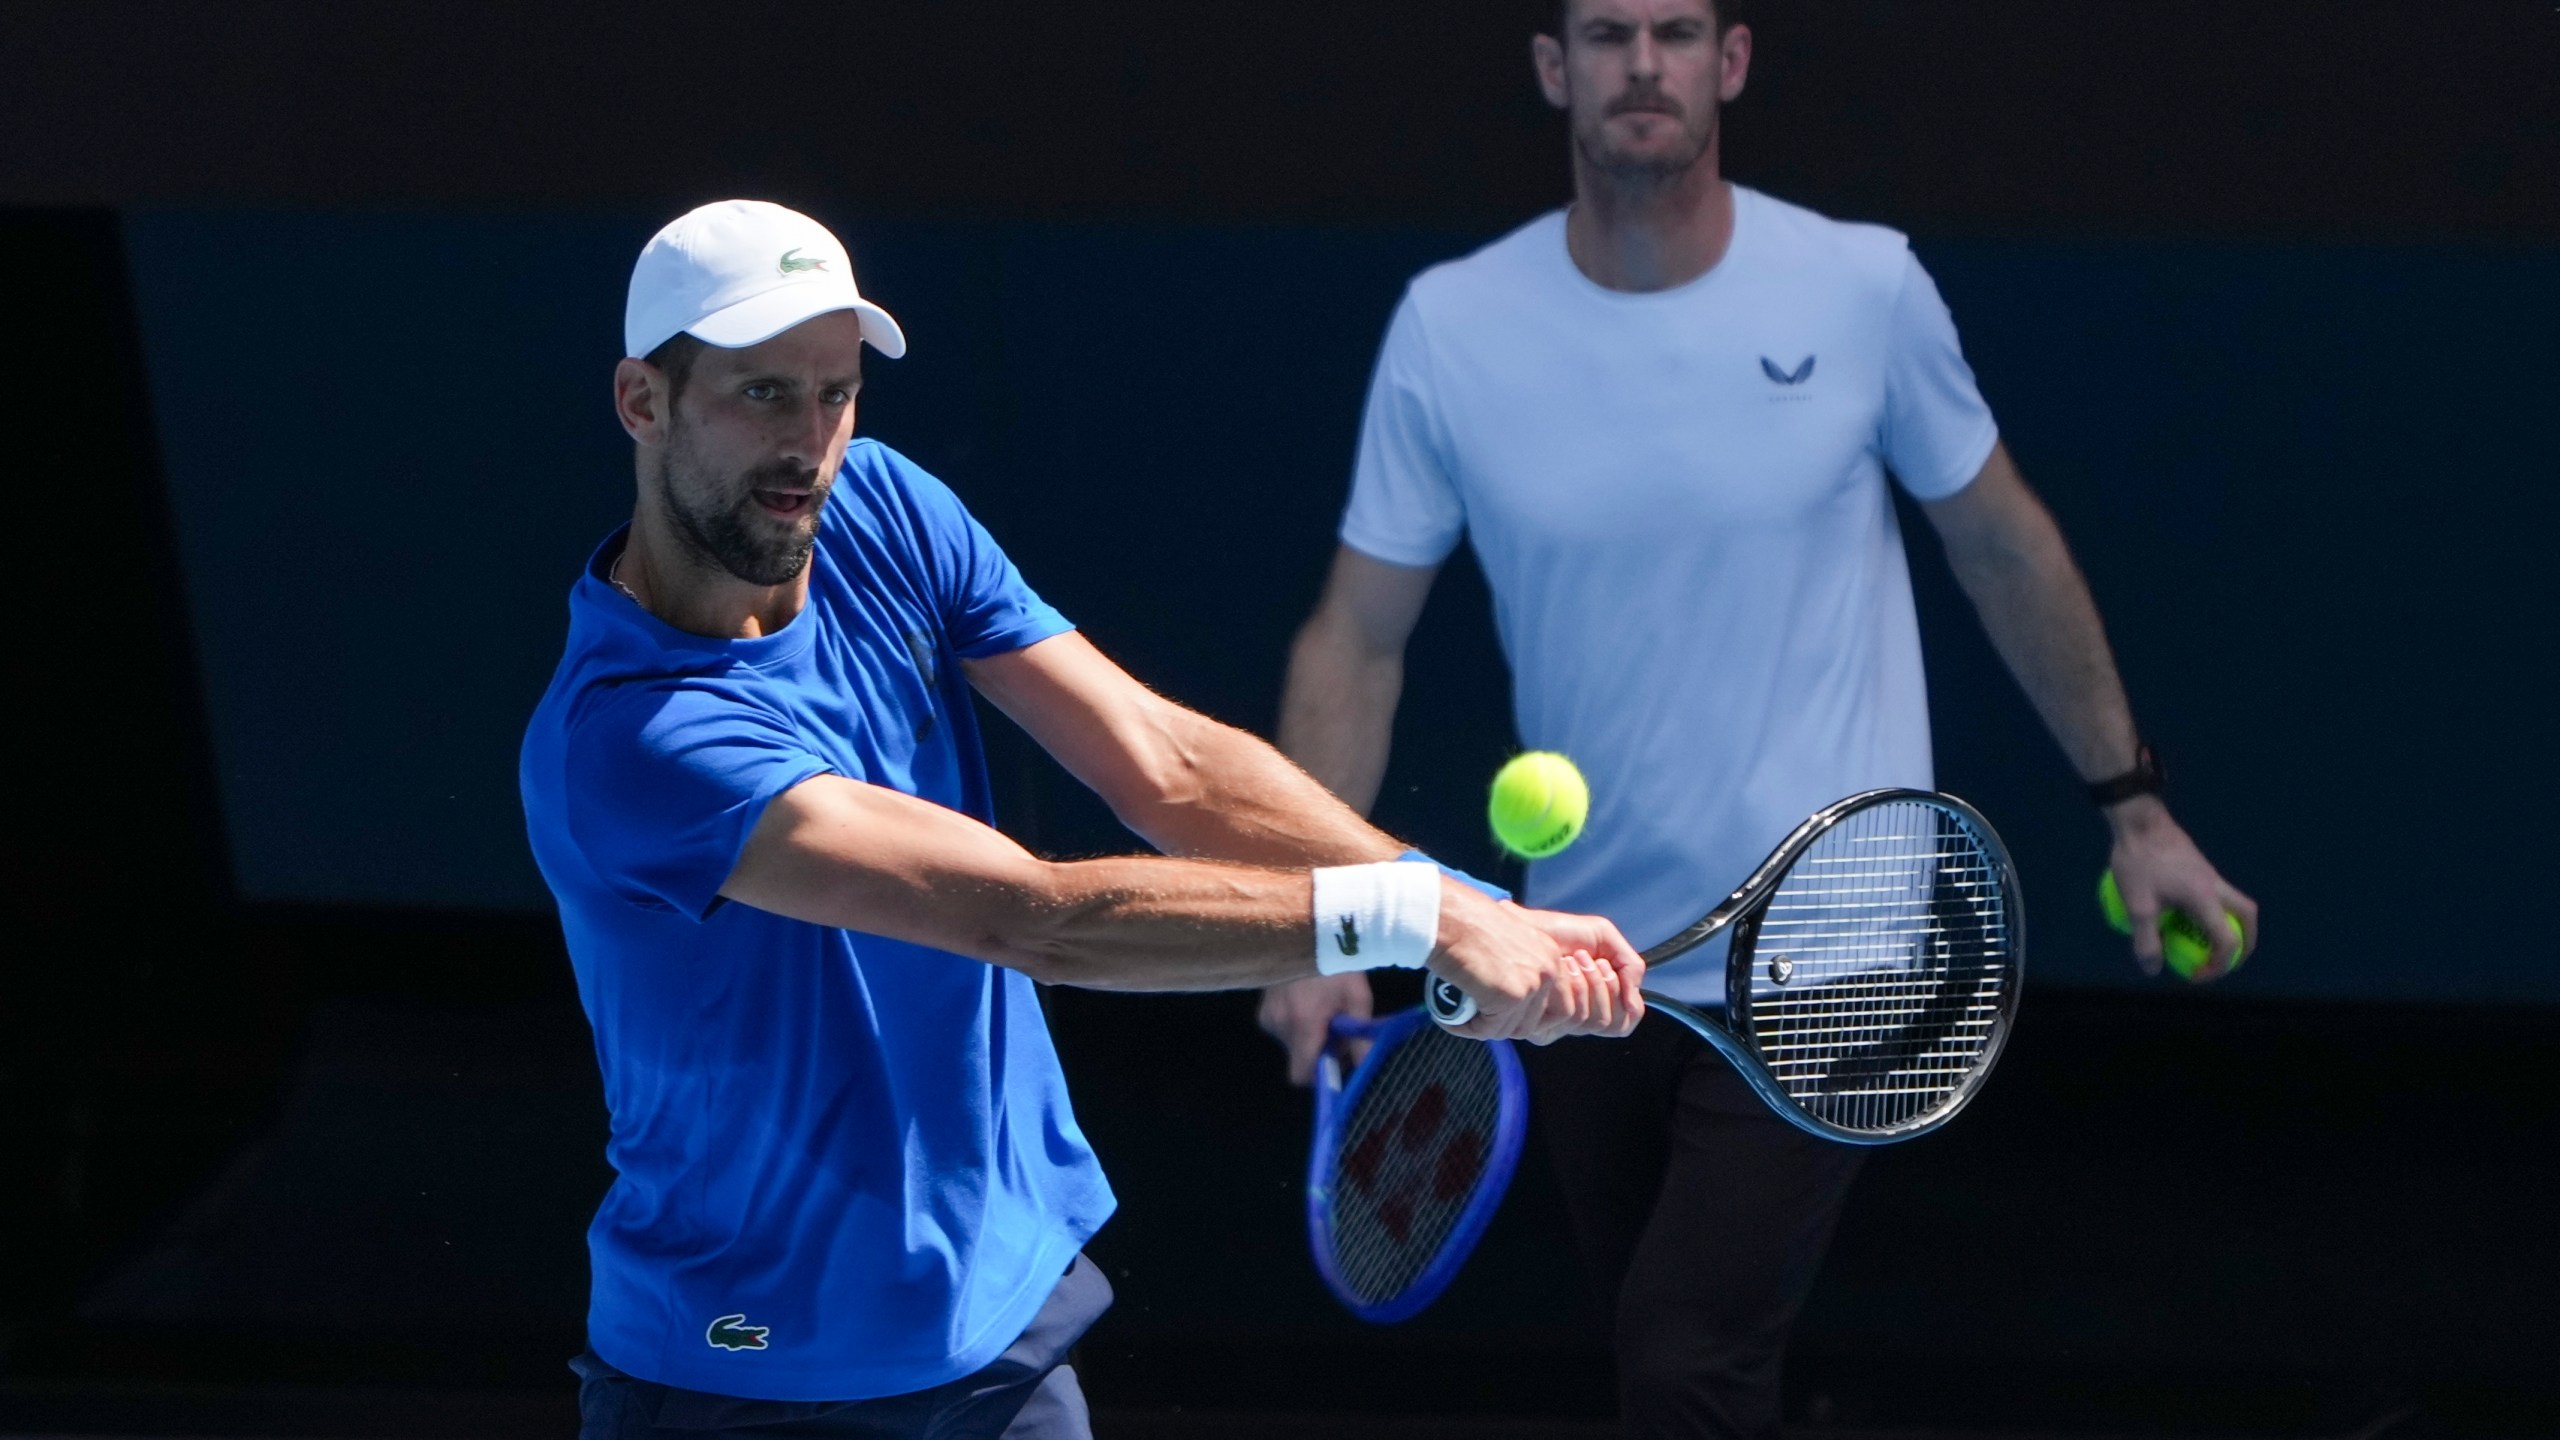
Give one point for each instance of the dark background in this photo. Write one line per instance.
(313, 311)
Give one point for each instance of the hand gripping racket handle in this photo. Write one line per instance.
(1449, 1005)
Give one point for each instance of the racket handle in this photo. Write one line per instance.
(1450, 1005)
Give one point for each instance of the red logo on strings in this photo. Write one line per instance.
(1444, 1177)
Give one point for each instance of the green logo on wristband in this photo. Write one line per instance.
(1348, 942)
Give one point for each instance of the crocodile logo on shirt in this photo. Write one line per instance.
(1348, 942)
(793, 262)
(1797, 376)
(732, 1332)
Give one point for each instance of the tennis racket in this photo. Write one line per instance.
(1411, 1157)
(1873, 971)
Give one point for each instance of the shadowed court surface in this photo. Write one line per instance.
(414, 1208)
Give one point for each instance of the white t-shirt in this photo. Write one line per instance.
(1679, 501)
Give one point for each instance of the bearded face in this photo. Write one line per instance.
(748, 444)
(756, 523)
(1646, 133)
(1644, 82)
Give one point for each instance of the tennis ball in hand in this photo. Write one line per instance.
(2182, 941)
(1539, 803)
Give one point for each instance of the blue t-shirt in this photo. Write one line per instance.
(845, 1166)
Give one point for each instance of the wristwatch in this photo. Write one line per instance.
(2145, 778)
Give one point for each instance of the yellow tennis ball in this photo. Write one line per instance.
(2111, 904)
(1539, 803)
(2182, 941)
(2184, 946)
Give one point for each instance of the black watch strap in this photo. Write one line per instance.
(2145, 778)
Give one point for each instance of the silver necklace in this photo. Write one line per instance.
(613, 573)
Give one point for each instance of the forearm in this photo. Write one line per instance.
(1338, 708)
(1233, 797)
(1189, 784)
(1141, 923)
(851, 856)
(2045, 624)
(2014, 565)
(1236, 798)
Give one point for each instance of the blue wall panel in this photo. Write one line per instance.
(2312, 486)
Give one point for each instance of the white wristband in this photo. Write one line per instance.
(1376, 917)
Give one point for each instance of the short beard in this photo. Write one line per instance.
(724, 536)
(1645, 169)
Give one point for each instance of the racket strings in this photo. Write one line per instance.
(1882, 966)
(1410, 1155)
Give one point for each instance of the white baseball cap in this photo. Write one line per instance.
(739, 272)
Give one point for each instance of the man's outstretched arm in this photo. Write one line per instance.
(1195, 787)
(2013, 563)
(837, 852)
(1189, 784)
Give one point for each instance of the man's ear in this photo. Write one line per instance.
(641, 401)
(1736, 50)
(1546, 56)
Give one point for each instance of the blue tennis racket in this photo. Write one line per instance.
(1411, 1157)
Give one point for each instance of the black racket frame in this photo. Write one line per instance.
(1742, 911)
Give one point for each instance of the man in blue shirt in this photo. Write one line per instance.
(850, 1191)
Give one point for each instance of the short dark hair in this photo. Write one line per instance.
(1729, 13)
(675, 360)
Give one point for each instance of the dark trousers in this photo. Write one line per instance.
(1027, 1393)
(1700, 1217)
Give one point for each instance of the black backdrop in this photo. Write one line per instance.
(2349, 118)
(178, 1055)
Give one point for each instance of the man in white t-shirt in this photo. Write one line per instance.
(1666, 418)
